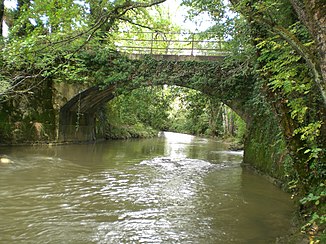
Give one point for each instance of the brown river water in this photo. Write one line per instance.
(172, 189)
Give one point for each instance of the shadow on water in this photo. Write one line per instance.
(172, 189)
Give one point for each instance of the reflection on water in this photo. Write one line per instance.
(173, 189)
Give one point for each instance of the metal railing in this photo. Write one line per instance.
(189, 44)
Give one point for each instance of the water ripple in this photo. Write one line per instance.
(172, 199)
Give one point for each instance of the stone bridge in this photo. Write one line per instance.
(61, 111)
(185, 60)
(128, 73)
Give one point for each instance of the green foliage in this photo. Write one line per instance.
(4, 87)
(172, 108)
(288, 78)
(315, 216)
(145, 107)
(199, 114)
(315, 199)
(241, 128)
(263, 139)
(292, 84)
(191, 113)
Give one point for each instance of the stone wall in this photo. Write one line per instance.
(265, 148)
(34, 116)
(71, 130)
(29, 116)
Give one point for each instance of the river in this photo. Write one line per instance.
(172, 189)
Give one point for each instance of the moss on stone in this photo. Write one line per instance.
(265, 148)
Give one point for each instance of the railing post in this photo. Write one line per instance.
(152, 42)
(192, 43)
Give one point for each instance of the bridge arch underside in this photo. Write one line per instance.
(78, 116)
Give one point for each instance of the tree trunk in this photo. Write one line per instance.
(312, 13)
(316, 10)
(2, 11)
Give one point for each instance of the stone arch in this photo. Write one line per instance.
(77, 116)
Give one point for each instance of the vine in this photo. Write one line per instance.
(78, 113)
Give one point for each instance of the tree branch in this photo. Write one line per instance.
(305, 54)
(291, 39)
(137, 24)
(300, 10)
(111, 17)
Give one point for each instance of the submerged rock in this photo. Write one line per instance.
(178, 163)
(5, 160)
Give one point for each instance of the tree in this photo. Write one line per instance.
(312, 15)
(2, 12)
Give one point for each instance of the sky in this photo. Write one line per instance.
(179, 13)
(10, 3)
